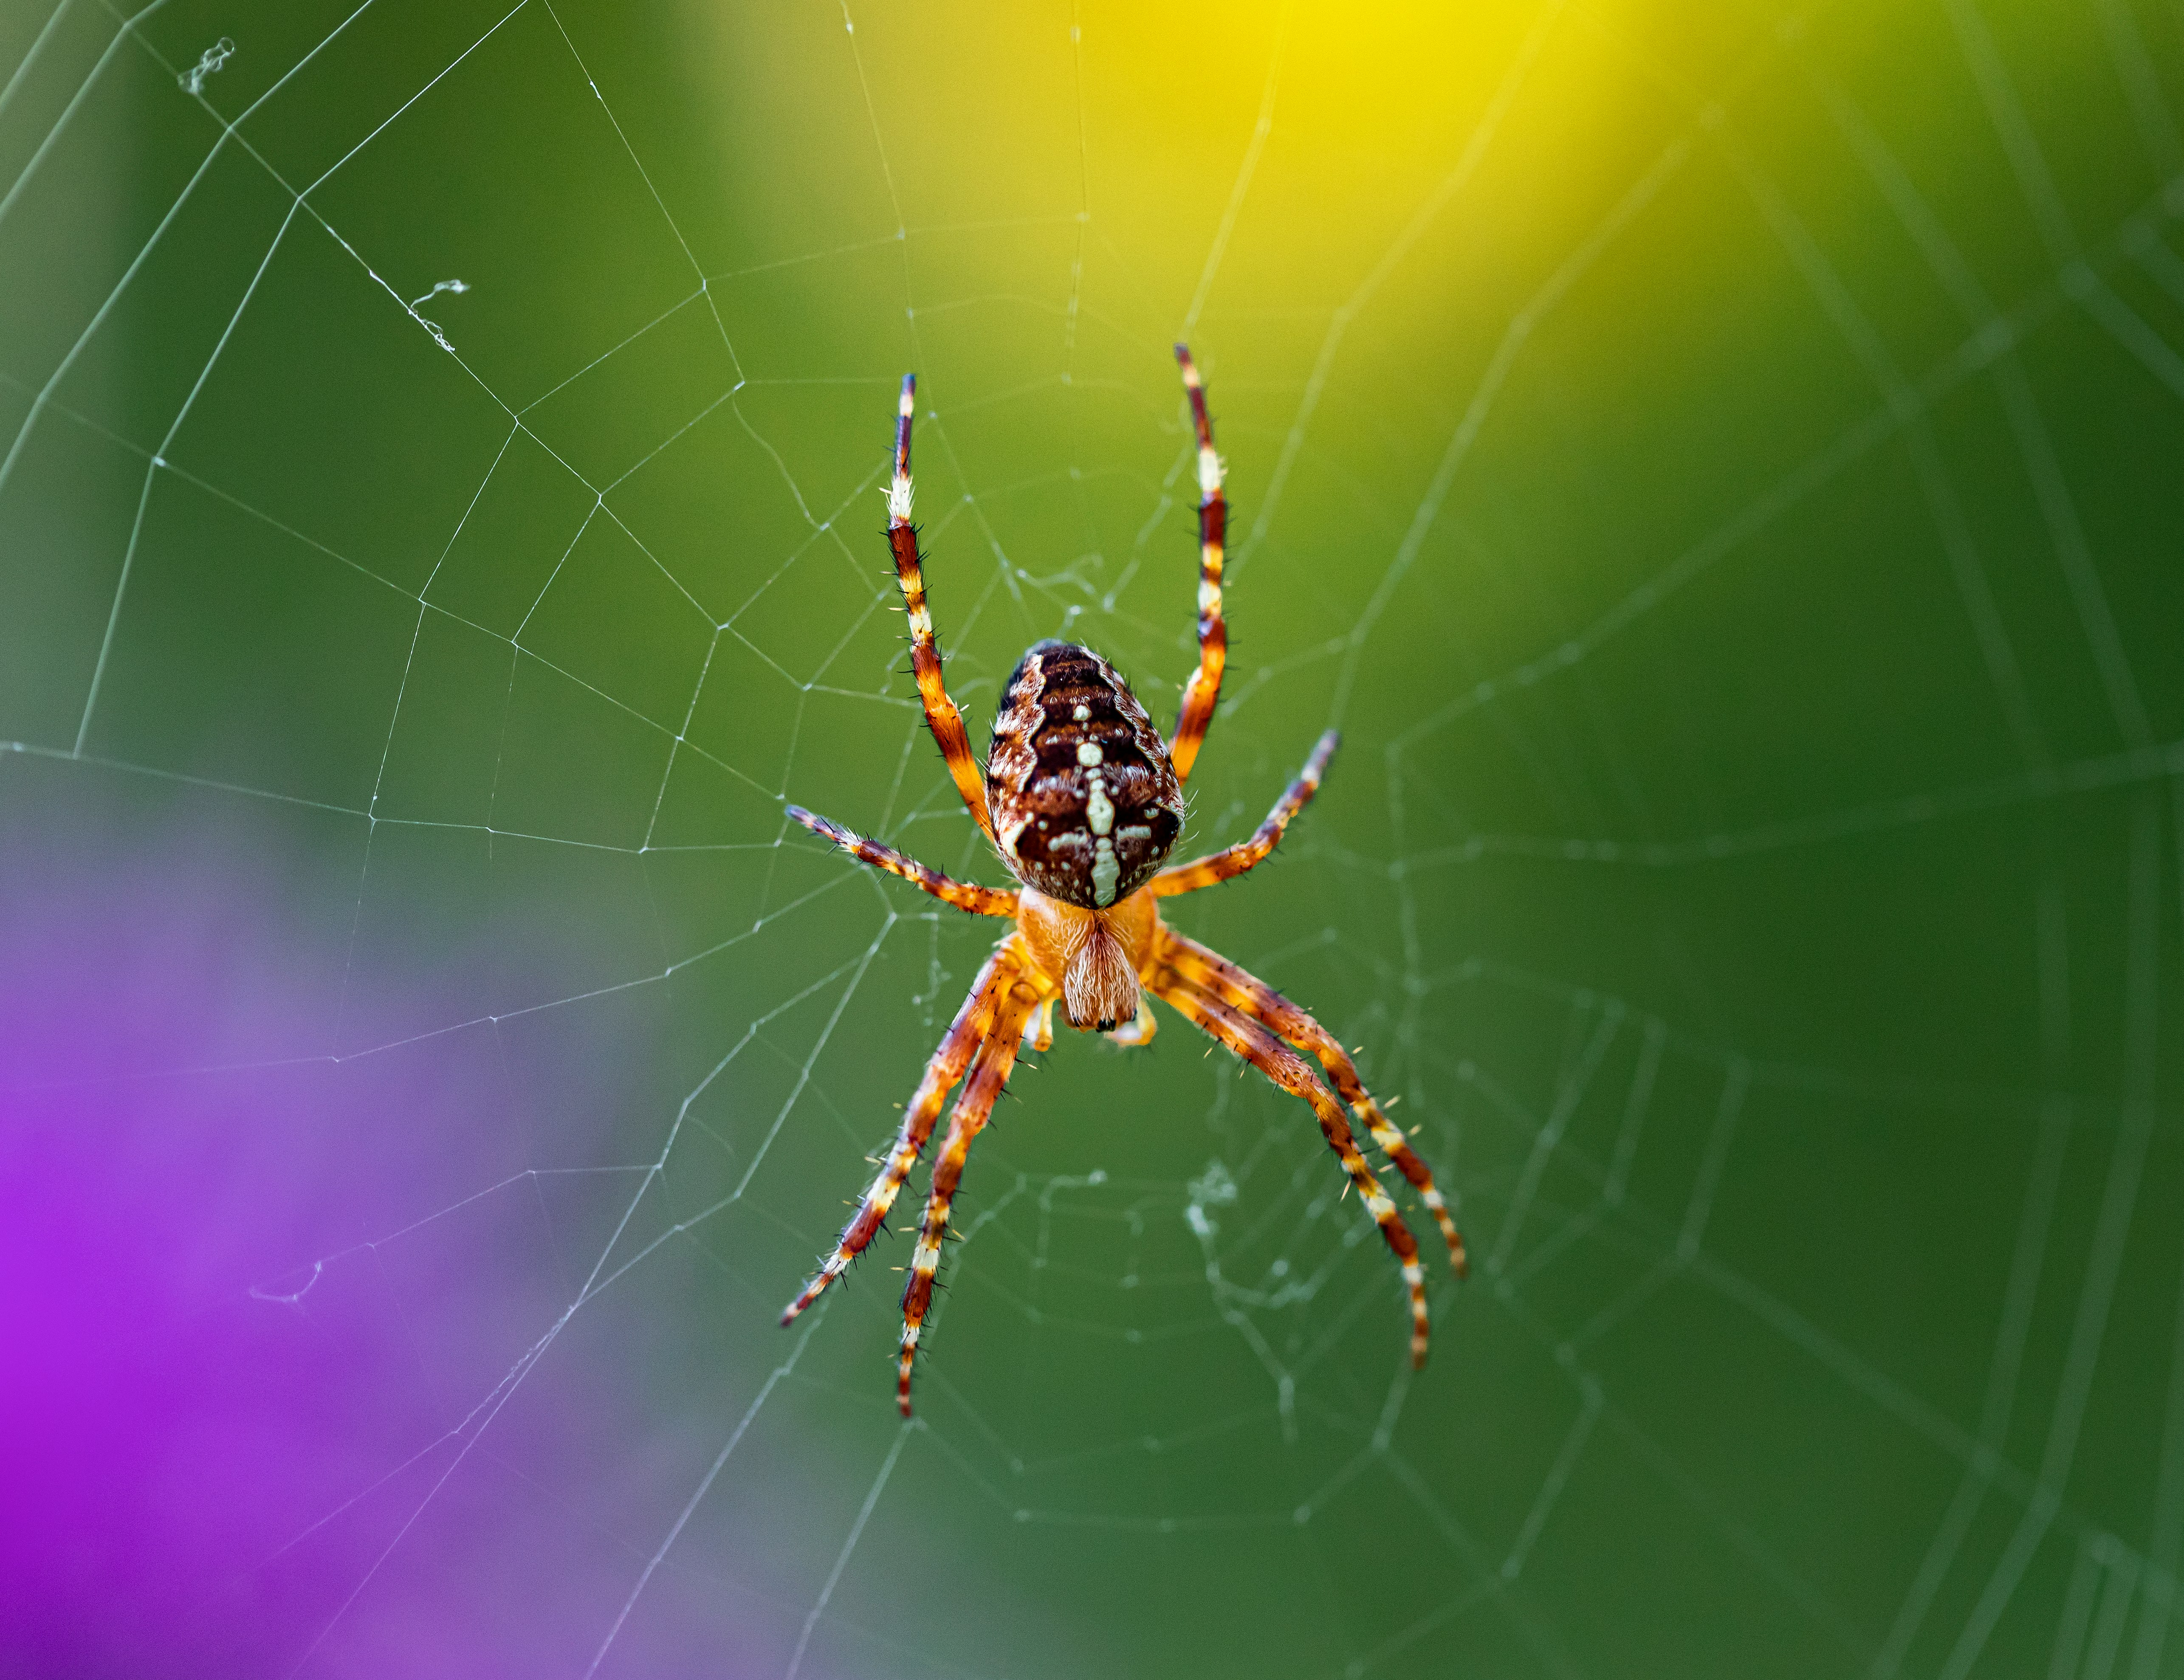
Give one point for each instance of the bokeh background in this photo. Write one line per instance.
(1720, 467)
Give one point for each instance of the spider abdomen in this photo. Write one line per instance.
(1085, 801)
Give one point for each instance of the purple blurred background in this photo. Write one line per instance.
(244, 1424)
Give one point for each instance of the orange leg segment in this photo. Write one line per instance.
(1213, 972)
(1246, 855)
(1205, 685)
(940, 712)
(972, 1025)
(1259, 1047)
(964, 896)
(997, 1056)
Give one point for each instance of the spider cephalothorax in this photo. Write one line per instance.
(1083, 800)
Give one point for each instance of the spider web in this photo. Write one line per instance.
(1720, 475)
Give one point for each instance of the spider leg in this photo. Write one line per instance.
(988, 1074)
(1245, 854)
(1205, 685)
(962, 1039)
(964, 896)
(1259, 1047)
(940, 712)
(1244, 991)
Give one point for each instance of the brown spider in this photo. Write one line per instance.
(1084, 801)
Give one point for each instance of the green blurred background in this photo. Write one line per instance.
(1720, 468)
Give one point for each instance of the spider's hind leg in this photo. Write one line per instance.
(940, 711)
(1203, 688)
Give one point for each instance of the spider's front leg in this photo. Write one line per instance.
(969, 1030)
(997, 1056)
(1245, 992)
(1258, 1046)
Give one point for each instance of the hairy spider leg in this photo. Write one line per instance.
(1246, 855)
(973, 1021)
(964, 895)
(1205, 685)
(1258, 1046)
(1245, 992)
(988, 1074)
(940, 712)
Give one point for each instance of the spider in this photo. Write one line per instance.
(1083, 802)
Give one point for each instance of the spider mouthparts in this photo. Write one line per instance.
(1108, 1026)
